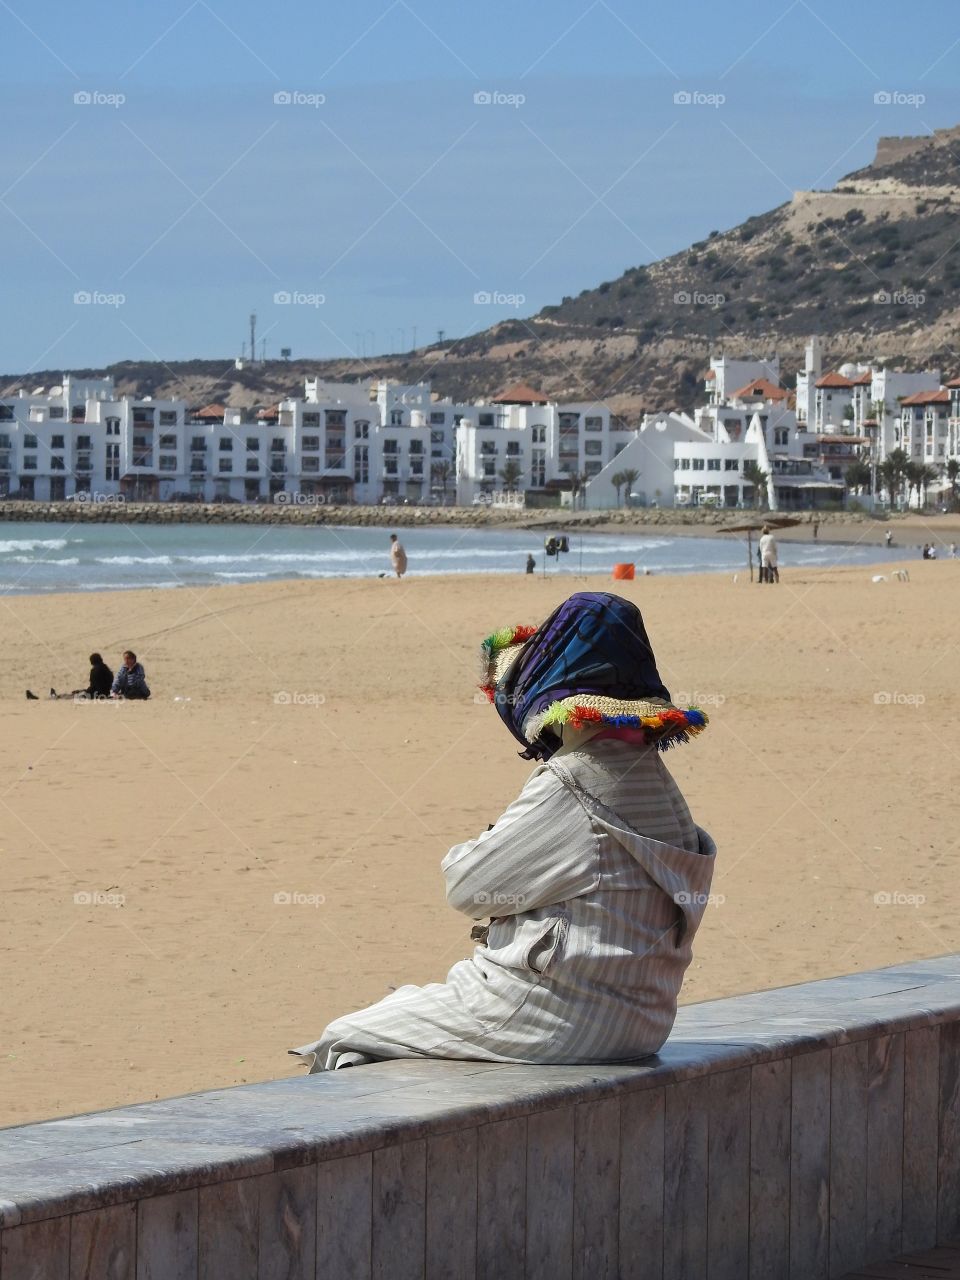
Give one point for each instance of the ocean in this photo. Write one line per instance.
(44, 558)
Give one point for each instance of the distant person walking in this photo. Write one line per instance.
(131, 679)
(531, 563)
(398, 557)
(768, 556)
(888, 537)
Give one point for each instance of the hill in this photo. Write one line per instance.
(872, 265)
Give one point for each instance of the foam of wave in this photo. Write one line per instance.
(31, 544)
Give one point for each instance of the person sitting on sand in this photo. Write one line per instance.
(98, 685)
(596, 876)
(398, 557)
(130, 680)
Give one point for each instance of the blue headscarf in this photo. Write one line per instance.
(595, 643)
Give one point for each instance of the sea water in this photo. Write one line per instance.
(39, 558)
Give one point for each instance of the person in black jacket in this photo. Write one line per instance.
(98, 686)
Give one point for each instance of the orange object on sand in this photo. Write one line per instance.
(622, 572)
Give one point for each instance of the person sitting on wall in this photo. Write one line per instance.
(130, 680)
(596, 877)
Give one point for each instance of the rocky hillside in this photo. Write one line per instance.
(873, 266)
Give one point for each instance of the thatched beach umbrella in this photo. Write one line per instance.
(754, 526)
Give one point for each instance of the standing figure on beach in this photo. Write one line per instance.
(398, 557)
(531, 563)
(593, 882)
(768, 556)
(888, 537)
(130, 680)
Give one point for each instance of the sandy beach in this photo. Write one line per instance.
(194, 884)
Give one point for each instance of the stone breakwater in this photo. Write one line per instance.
(117, 512)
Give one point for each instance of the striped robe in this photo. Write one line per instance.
(596, 878)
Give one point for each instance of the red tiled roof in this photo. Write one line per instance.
(942, 396)
(211, 411)
(863, 379)
(954, 382)
(834, 380)
(759, 387)
(520, 393)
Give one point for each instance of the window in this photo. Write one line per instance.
(6, 413)
(489, 470)
(684, 464)
(168, 417)
(56, 462)
(277, 445)
(485, 420)
(781, 436)
(416, 447)
(416, 467)
(731, 464)
(168, 462)
(253, 444)
(166, 442)
(198, 444)
(713, 464)
(390, 446)
(311, 465)
(513, 448)
(361, 464)
(593, 468)
(488, 447)
(335, 418)
(361, 430)
(593, 424)
(226, 445)
(311, 420)
(56, 442)
(396, 417)
(437, 419)
(538, 469)
(83, 462)
(311, 444)
(698, 464)
(56, 411)
(226, 464)
(436, 437)
(253, 464)
(593, 448)
(30, 462)
(83, 442)
(29, 441)
(113, 426)
(389, 466)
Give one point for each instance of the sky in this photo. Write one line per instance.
(364, 176)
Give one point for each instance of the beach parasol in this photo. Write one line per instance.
(751, 527)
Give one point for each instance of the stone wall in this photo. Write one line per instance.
(787, 1135)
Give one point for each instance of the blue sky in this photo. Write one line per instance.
(382, 196)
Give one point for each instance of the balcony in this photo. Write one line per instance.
(143, 458)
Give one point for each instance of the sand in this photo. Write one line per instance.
(328, 748)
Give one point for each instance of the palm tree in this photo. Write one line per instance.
(893, 471)
(440, 475)
(952, 473)
(754, 474)
(928, 475)
(857, 475)
(914, 473)
(630, 477)
(511, 473)
(578, 482)
(618, 480)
